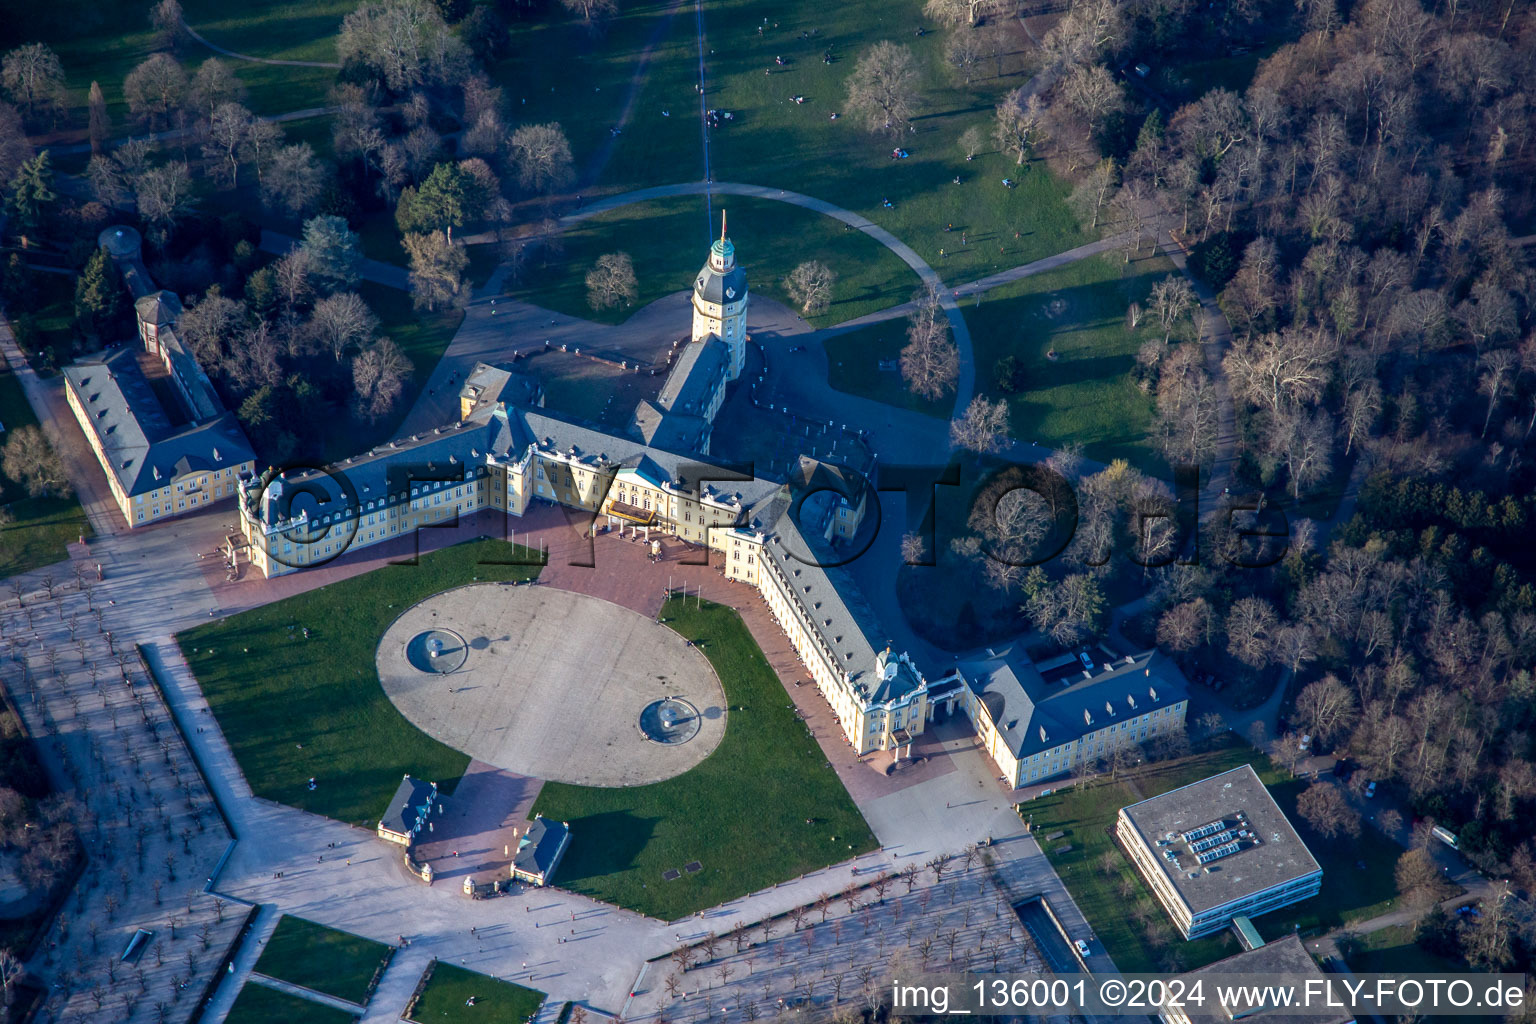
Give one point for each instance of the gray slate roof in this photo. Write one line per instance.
(720, 288)
(134, 433)
(1022, 704)
(700, 368)
(409, 806)
(539, 846)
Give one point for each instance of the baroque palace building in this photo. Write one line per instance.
(162, 436)
(777, 534)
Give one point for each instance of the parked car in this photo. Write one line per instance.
(1082, 949)
(1142, 70)
(1370, 789)
(1306, 742)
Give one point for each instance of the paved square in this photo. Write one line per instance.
(553, 684)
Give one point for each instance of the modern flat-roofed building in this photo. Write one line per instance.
(1216, 849)
(1285, 957)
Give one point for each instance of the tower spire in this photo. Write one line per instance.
(722, 225)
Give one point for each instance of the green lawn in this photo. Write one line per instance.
(43, 526)
(295, 708)
(774, 141)
(668, 240)
(323, 959)
(853, 367)
(540, 87)
(1089, 392)
(741, 813)
(1393, 951)
(258, 1004)
(1087, 815)
(443, 1000)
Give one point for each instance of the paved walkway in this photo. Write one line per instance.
(216, 48)
(301, 992)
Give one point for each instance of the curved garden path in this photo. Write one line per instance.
(216, 48)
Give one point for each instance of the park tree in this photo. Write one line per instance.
(1069, 611)
(164, 195)
(809, 285)
(960, 14)
(930, 362)
(292, 180)
(1280, 368)
(1094, 191)
(100, 122)
(1251, 624)
(1185, 626)
(334, 251)
(440, 204)
(1188, 418)
(31, 461)
(437, 270)
(33, 78)
(226, 132)
(883, 88)
(214, 84)
(156, 90)
(982, 428)
(379, 374)
(485, 33)
(11, 971)
(542, 155)
(1327, 709)
(1172, 299)
(15, 149)
(963, 53)
(593, 13)
(30, 197)
(99, 299)
(1302, 440)
(1419, 880)
(342, 322)
(210, 326)
(165, 18)
(402, 44)
(1020, 124)
(972, 140)
(1323, 806)
(612, 281)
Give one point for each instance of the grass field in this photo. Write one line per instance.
(741, 813)
(853, 367)
(322, 958)
(774, 141)
(443, 1000)
(668, 240)
(1085, 816)
(42, 526)
(295, 708)
(1393, 951)
(539, 87)
(258, 1004)
(1088, 393)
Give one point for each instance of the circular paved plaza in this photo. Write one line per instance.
(553, 685)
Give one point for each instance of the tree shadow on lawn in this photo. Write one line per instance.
(607, 843)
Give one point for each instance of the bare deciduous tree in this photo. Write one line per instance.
(542, 155)
(930, 363)
(810, 286)
(883, 88)
(982, 428)
(612, 281)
